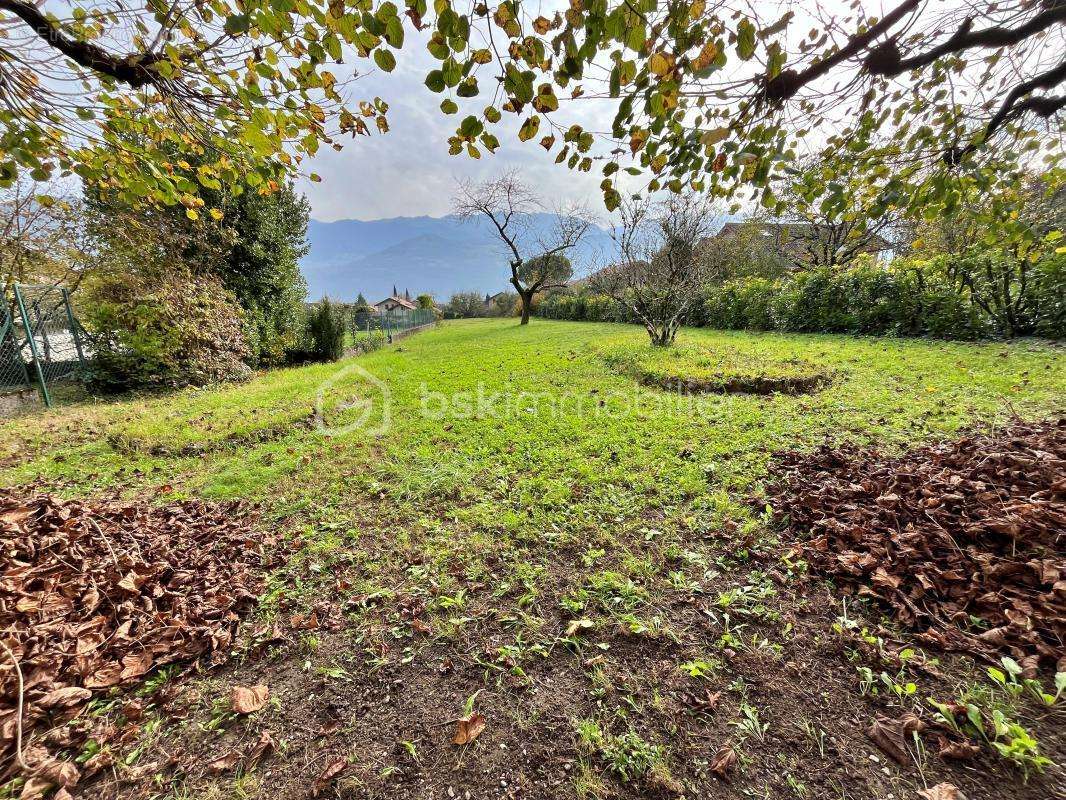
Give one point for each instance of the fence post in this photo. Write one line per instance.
(73, 327)
(42, 326)
(33, 348)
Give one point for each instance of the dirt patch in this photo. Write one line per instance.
(694, 369)
(96, 595)
(964, 541)
(742, 384)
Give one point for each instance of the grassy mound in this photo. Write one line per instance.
(697, 369)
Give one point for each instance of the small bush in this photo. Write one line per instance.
(326, 329)
(165, 331)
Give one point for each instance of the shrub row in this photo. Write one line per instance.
(955, 300)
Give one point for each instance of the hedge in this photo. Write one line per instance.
(910, 297)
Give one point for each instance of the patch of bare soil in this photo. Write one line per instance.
(745, 384)
(98, 595)
(964, 541)
(652, 663)
(374, 696)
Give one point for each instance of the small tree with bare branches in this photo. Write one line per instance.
(659, 269)
(538, 262)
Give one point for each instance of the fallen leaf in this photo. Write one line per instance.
(65, 697)
(579, 625)
(245, 700)
(135, 665)
(958, 751)
(724, 761)
(224, 763)
(104, 678)
(302, 623)
(264, 746)
(34, 788)
(327, 775)
(469, 728)
(891, 735)
(942, 791)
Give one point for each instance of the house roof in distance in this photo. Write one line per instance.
(398, 300)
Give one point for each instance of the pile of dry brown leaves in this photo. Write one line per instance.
(964, 540)
(94, 595)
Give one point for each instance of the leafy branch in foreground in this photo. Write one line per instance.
(709, 94)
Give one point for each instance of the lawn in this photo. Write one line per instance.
(510, 520)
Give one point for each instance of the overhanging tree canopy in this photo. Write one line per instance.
(715, 94)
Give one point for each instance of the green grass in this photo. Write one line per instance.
(509, 443)
(537, 500)
(529, 430)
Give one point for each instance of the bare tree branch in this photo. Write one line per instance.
(659, 269)
(508, 204)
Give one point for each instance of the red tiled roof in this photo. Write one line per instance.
(399, 300)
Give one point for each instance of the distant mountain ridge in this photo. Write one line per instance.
(439, 255)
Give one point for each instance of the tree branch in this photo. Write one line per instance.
(965, 39)
(133, 70)
(886, 60)
(783, 86)
(1044, 106)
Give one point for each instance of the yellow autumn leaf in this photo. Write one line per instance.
(191, 214)
(714, 136)
(706, 57)
(661, 63)
(215, 214)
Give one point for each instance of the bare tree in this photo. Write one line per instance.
(660, 269)
(40, 239)
(537, 261)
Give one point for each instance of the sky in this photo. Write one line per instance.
(408, 172)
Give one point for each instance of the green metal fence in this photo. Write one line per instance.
(391, 323)
(41, 341)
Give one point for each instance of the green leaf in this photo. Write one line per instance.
(529, 128)
(394, 32)
(385, 60)
(237, 24)
(745, 39)
(468, 88)
(449, 107)
(435, 81)
(471, 127)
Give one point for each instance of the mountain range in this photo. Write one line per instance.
(438, 255)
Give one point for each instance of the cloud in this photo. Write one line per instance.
(408, 171)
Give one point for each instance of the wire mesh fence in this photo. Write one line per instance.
(41, 341)
(389, 323)
(13, 371)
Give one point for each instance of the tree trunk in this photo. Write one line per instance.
(527, 301)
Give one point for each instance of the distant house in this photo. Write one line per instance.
(490, 299)
(392, 303)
